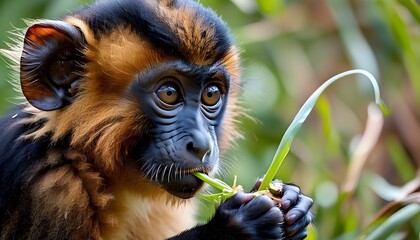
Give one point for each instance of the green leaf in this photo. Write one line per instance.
(394, 222)
(301, 116)
(401, 33)
(213, 182)
(226, 190)
(413, 7)
(400, 158)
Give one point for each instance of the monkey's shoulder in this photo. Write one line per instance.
(14, 153)
(47, 190)
(18, 156)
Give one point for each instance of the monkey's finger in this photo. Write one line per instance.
(298, 227)
(299, 210)
(290, 196)
(268, 224)
(257, 207)
(237, 200)
(299, 236)
(257, 185)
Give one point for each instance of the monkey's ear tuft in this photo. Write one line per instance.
(51, 64)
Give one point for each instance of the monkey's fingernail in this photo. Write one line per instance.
(286, 204)
(291, 219)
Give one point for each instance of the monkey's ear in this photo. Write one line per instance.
(50, 66)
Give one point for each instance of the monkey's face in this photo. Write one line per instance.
(147, 84)
(184, 105)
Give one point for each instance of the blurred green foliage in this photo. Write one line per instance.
(288, 49)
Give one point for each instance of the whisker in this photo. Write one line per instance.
(179, 172)
(149, 172)
(170, 169)
(163, 174)
(156, 175)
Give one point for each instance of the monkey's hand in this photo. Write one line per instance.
(296, 210)
(241, 217)
(245, 217)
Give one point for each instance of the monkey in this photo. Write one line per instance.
(122, 102)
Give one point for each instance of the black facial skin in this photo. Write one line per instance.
(184, 105)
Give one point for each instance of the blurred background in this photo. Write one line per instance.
(361, 169)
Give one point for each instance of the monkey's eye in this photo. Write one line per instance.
(211, 95)
(168, 93)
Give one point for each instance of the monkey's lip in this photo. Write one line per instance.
(185, 186)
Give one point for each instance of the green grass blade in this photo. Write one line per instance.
(214, 182)
(225, 190)
(394, 222)
(301, 116)
(413, 7)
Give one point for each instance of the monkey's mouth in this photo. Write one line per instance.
(176, 179)
(175, 175)
(180, 182)
(184, 185)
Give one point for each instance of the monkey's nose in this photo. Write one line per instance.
(199, 144)
(199, 152)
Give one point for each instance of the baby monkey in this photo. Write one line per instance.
(124, 101)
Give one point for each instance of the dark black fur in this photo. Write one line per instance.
(102, 17)
(18, 158)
